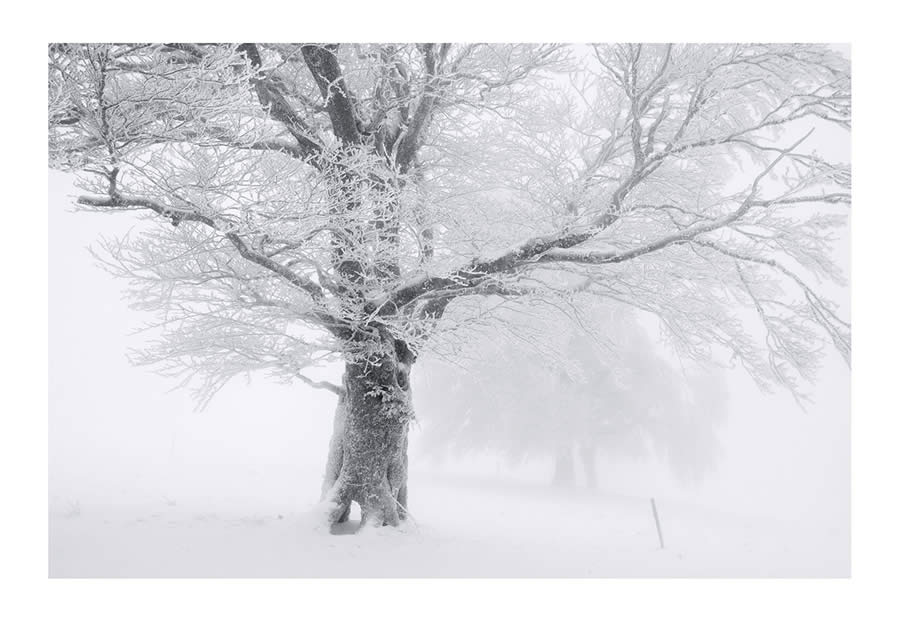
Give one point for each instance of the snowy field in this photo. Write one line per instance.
(463, 527)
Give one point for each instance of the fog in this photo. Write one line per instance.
(125, 445)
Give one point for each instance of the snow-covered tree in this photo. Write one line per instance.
(609, 389)
(368, 203)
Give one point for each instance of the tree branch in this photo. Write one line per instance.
(411, 138)
(178, 215)
(269, 96)
(554, 248)
(325, 69)
(827, 318)
(322, 384)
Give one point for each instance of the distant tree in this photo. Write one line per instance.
(609, 389)
(366, 203)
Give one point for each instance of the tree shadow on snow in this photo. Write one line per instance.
(347, 528)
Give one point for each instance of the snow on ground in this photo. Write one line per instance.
(463, 526)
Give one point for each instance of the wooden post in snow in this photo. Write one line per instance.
(656, 518)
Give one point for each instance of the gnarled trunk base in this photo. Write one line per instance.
(367, 458)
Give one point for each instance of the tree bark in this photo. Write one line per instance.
(587, 451)
(564, 469)
(367, 459)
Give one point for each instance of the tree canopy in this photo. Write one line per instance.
(303, 197)
(610, 388)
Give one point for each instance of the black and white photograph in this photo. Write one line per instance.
(557, 315)
(440, 309)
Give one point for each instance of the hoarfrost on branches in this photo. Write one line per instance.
(367, 203)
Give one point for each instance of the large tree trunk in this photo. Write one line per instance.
(367, 458)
